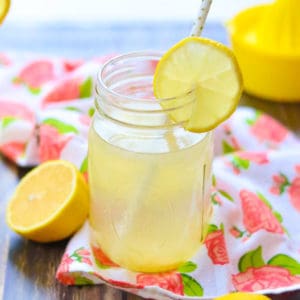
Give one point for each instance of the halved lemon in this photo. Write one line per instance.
(50, 203)
(4, 7)
(205, 69)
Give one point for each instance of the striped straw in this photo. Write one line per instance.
(201, 18)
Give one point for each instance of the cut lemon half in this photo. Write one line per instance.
(205, 69)
(50, 203)
(242, 296)
(4, 7)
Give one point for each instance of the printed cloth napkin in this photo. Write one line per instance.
(253, 242)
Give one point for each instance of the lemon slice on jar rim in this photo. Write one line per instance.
(208, 69)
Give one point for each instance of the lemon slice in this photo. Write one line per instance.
(4, 7)
(50, 203)
(205, 69)
(242, 296)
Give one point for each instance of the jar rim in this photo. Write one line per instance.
(132, 55)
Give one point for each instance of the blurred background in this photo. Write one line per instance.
(116, 10)
(95, 27)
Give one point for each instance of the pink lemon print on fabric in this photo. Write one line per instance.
(171, 281)
(10, 109)
(13, 150)
(71, 65)
(5, 60)
(294, 193)
(281, 184)
(63, 274)
(256, 274)
(265, 128)
(259, 158)
(230, 144)
(178, 282)
(257, 214)
(35, 74)
(266, 277)
(69, 89)
(102, 260)
(216, 246)
(242, 160)
(10, 112)
(51, 142)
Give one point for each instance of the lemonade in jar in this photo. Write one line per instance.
(150, 157)
(149, 177)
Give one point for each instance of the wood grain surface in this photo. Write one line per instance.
(27, 269)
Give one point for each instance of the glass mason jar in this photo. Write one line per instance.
(149, 177)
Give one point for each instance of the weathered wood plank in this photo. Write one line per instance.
(8, 181)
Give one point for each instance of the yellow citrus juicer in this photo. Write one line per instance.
(266, 42)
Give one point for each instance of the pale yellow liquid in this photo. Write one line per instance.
(149, 211)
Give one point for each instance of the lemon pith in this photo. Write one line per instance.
(207, 68)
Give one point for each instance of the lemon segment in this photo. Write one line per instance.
(50, 203)
(205, 69)
(4, 7)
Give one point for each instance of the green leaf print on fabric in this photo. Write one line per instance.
(251, 259)
(227, 148)
(279, 272)
(86, 88)
(279, 184)
(80, 280)
(72, 108)
(214, 180)
(215, 199)
(81, 255)
(285, 184)
(278, 216)
(34, 90)
(226, 195)
(252, 121)
(7, 120)
(91, 111)
(190, 286)
(100, 265)
(60, 126)
(212, 228)
(187, 267)
(285, 261)
(240, 163)
(84, 165)
(264, 199)
(236, 232)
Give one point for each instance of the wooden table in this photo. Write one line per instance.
(27, 269)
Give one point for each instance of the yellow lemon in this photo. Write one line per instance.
(4, 7)
(50, 203)
(242, 296)
(205, 70)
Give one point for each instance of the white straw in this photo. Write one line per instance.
(201, 18)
